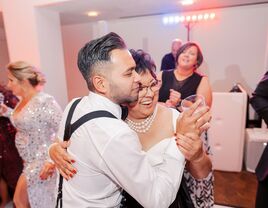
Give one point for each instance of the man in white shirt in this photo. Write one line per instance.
(107, 152)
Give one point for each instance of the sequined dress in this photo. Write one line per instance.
(37, 124)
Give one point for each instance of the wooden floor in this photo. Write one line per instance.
(235, 189)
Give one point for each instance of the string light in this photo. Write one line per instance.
(175, 19)
(187, 2)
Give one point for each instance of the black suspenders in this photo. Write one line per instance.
(70, 129)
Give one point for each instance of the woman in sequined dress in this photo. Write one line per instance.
(36, 118)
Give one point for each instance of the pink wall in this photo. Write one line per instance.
(74, 37)
(4, 58)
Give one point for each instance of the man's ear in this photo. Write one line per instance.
(100, 84)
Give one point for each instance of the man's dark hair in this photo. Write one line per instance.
(144, 62)
(188, 45)
(96, 53)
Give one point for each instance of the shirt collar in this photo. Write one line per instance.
(104, 103)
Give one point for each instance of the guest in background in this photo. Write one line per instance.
(10, 161)
(259, 102)
(168, 61)
(184, 81)
(36, 118)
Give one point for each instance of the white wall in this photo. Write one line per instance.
(4, 58)
(51, 54)
(74, 37)
(34, 35)
(234, 44)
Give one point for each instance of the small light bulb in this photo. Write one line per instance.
(212, 15)
(92, 14)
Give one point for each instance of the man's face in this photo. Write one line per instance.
(124, 82)
(175, 47)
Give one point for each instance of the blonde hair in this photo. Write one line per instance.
(22, 70)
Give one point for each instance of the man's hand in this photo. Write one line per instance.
(62, 159)
(190, 145)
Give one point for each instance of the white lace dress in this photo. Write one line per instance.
(37, 124)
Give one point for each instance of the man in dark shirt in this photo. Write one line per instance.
(259, 102)
(168, 61)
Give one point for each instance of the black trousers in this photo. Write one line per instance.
(262, 194)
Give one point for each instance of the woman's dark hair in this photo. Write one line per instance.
(188, 45)
(96, 53)
(144, 62)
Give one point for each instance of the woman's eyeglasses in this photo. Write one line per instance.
(154, 87)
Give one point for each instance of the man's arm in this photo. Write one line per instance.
(123, 160)
(259, 100)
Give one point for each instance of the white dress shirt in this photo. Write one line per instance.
(109, 157)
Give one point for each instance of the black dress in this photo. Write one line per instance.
(259, 102)
(186, 87)
(182, 200)
(10, 161)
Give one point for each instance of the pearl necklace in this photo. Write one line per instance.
(144, 126)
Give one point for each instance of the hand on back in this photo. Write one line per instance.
(62, 159)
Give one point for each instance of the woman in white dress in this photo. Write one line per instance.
(36, 118)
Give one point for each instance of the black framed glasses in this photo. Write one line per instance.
(154, 87)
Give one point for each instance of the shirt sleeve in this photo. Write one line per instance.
(151, 186)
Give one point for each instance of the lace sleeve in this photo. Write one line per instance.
(201, 190)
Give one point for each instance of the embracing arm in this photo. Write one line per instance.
(63, 161)
(152, 185)
(198, 164)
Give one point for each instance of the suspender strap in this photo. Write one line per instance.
(66, 138)
(89, 116)
(67, 130)
(70, 129)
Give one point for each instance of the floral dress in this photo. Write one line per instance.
(37, 124)
(201, 190)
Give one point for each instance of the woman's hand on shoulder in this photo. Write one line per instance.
(190, 145)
